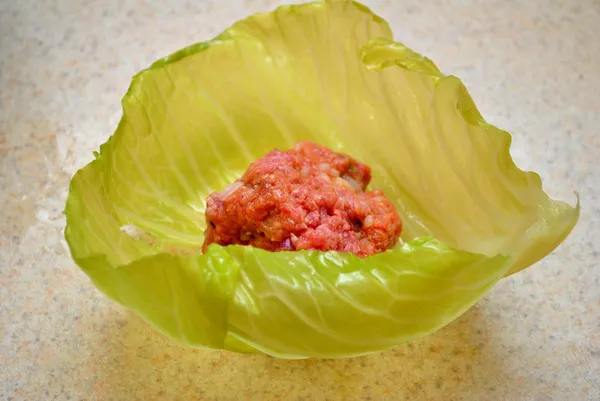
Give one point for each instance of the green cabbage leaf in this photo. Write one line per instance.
(327, 72)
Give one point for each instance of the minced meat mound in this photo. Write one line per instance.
(308, 197)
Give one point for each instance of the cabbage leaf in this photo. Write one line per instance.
(327, 72)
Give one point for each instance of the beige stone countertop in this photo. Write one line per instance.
(532, 67)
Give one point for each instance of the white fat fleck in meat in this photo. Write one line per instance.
(294, 239)
(355, 185)
(324, 167)
(224, 194)
(324, 177)
(342, 183)
(368, 222)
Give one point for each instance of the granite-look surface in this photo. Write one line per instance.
(532, 67)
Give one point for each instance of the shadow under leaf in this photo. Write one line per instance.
(136, 362)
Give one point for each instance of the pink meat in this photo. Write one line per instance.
(308, 197)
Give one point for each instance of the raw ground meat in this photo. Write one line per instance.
(308, 197)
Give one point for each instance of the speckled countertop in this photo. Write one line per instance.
(532, 67)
